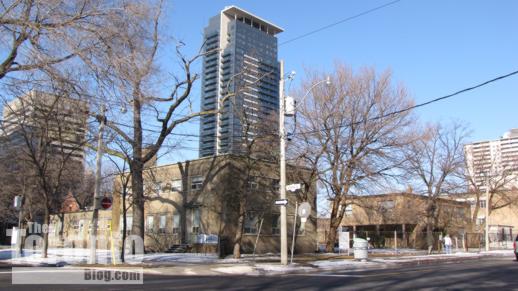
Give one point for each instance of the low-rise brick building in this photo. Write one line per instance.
(382, 217)
(191, 201)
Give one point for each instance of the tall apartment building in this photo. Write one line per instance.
(241, 58)
(497, 159)
(59, 122)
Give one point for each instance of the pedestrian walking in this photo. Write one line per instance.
(447, 244)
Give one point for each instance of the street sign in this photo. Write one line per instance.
(293, 187)
(304, 210)
(281, 202)
(106, 203)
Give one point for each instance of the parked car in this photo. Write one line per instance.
(515, 246)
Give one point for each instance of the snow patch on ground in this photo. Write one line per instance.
(280, 269)
(509, 252)
(61, 256)
(242, 270)
(333, 264)
(72, 256)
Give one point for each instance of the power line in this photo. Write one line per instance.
(373, 118)
(421, 104)
(340, 22)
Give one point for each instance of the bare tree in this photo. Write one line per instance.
(343, 137)
(434, 160)
(126, 70)
(50, 146)
(258, 145)
(38, 34)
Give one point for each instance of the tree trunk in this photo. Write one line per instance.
(137, 170)
(137, 187)
(46, 219)
(331, 235)
(475, 212)
(124, 225)
(429, 235)
(239, 230)
(430, 219)
(183, 223)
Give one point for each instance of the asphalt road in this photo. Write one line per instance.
(495, 273)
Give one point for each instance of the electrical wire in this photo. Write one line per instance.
(422, 104)
(339, 22)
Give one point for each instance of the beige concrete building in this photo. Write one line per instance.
(503, 221)
(76, 227)
(379, 216)
(196, 203)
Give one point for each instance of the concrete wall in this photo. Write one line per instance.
(409, 209)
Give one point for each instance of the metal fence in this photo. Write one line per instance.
(419, 240)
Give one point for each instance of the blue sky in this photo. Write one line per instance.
(432, 47)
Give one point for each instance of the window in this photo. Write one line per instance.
(196, 183)
(75, 224)
(459, 212)
(176, 223)
(349, 210)
(250, 223)
(161, 226)
(157, 187)
(252, 183)
(275, 184)
(196, 217)
(176, 185)
(81, 225)
(482, 203)
(149, 223)
(275, 224)
(481, 220)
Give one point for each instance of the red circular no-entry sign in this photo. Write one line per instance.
(106, 203)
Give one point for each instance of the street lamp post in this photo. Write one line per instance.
(282, 159)
(97, 189)
(282, 173)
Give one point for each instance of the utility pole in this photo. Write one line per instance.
(97, 190)
(487, 215)
(282, 172)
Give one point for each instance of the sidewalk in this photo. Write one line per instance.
(211, 265)
(353, 265)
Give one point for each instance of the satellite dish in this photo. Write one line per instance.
(304, 210)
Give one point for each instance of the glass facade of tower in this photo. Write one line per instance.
(240, 80)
